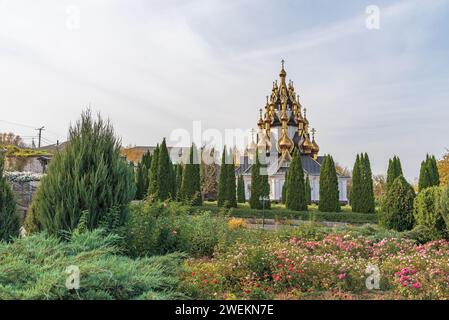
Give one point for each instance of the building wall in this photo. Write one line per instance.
(277, 182)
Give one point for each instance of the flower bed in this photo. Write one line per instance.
(332, 266)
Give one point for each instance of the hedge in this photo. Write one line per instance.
(278, 214)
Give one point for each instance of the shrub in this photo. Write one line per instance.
(88, 177)
(9, 220)
(34, 267)
(157, 228)
(427, 210)
(397, 211)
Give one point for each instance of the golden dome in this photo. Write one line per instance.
(315, 147)
(260, 122)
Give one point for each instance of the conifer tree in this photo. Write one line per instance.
(394, 171)
(397, 208)
(179, 169)
(329, 194)
(142, 173)
(222, 180)
(295, 192)
(435, 176)
(164, 174)
(231, 183)
(241, 197)
(153, 187)
(284, 188)
(256, 184)
(9, 219)
(88, 179)
(191, 180)
(308, 191)
(368, 201)
(357, 186)
(424, 176)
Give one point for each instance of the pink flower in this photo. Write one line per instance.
(341, 276)
(416, 285)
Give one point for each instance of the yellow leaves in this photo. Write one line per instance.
(237, 223)
(443, 169)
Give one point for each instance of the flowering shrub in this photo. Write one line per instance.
(333, 266)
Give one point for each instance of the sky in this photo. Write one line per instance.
(155, 66)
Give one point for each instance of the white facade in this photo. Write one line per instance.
(277, 182)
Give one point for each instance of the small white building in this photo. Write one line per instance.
(282, 129)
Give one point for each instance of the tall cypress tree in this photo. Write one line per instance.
(394, 171)
(222, 180)
(153, 187)
(424, 176)
(179, 170)
(308, 190)
(231, 185)
(256, 184)
(296, 195)
(284, 188)
(434, 170)
(329, 194)
(357, 186)
(363, 186)
(9, 220)
(164, 173)
(241, 197)
(142, 174)
(191, 180)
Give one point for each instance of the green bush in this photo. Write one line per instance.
(397, 211)
(34, 267)
(329, 194)
(157, 228)
(88, 177)
(9, 220)
(444, 206)
(427, 210)
(422, 234)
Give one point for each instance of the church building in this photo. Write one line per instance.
(283, 127)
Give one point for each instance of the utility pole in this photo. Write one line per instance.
(40, 135)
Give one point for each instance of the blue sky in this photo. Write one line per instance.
(154, 66)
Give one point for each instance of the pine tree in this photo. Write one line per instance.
(295, 192)
(153, 187)
(329, 194)
(191, 180)
(397, 208)
(241, 197)
(308, 190)
(88, 179)
(164, 174)
(9, 219)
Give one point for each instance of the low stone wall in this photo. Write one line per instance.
(24, 185)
